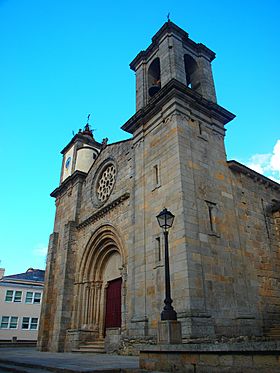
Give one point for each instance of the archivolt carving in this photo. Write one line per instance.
(104, 241)
(91, 283)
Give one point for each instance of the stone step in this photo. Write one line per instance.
(96, 343)
(274, 333)
(92, 346)
(274, 336)
(89, 350)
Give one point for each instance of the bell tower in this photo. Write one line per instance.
(80, 153)
(172, 55)
(180, 163)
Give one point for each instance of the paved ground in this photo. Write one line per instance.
(65, 362)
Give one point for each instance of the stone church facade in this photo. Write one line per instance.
(105, 264)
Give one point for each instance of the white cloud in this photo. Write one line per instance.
(40, 251)
(275, 159)
(259, 162)
(267, 164)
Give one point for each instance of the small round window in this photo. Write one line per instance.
(106, 183)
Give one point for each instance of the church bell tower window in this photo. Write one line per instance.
(192, 71)
(154, 81)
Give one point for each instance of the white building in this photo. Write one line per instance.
(20, 305)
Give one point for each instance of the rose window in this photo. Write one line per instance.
(106, 183)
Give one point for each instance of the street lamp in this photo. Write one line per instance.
(165, 220)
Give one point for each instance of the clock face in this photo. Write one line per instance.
(67, 163)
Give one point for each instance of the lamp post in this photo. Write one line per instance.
(165, 220)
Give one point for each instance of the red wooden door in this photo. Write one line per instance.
(113, 304)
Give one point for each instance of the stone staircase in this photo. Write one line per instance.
(274, 333)
(97, 346)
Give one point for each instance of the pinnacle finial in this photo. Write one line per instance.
(168, 17)
(87, 130)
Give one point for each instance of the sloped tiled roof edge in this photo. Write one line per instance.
(239, 167)
(36, 275)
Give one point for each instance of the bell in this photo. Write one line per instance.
(154, 89)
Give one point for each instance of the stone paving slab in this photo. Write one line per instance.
(69, 362)
(7, 368)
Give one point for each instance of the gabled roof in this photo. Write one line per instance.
(31, 275)
(261, 179)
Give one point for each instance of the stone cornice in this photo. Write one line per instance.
(261, 179)
(102, 211)
(168, 28)
(21, 283)
(67, 182)
(176, 89)
(84, 139)
(119, 142)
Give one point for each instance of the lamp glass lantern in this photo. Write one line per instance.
(165, 219)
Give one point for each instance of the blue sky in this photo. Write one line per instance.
(63, 59)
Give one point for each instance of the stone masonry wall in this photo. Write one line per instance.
(218, 269)
(260, 245)
(118, 216)
(212, 358)
(57, 303)
(156, 184)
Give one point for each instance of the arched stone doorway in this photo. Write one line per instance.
(99, 289)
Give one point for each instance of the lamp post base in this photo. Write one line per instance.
(169, 332)
(168, 314)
